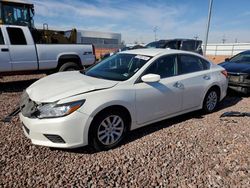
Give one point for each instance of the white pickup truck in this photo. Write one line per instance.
(19, 54)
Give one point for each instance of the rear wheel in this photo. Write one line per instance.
(70, 66)
(107, 130)
(211, 101)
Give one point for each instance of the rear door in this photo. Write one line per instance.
(195, 77)
(22, 51)
(159, 99)
(5, 64)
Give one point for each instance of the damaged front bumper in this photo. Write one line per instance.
(239, 82)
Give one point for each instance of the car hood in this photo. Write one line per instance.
(236, 67)
(62, 85)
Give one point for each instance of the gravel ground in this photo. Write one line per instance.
(193, 150)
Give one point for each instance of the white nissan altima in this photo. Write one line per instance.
(128, 90)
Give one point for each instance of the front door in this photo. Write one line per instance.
(22, 52)
(5, 64)
(159, 99)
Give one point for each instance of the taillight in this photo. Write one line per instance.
(224, 72)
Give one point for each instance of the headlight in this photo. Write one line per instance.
(53, 110)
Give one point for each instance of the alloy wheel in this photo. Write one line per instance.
(110, 130)
(212, 100)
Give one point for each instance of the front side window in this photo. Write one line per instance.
(164, 66)
(16, 36)
(190, 63)
(118, 67)
(1, 37)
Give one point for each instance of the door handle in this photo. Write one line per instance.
(178, 85)
(206, 77)
(4, 49)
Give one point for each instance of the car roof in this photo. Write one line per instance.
(156, 51)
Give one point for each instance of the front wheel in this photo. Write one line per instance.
(211, 101)
(108, 130)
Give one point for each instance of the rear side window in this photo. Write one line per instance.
(164, 66)
(189, 64)
(1, 37)
(206, 64)
(16, 36)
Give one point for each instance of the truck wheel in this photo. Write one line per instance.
(70, 66)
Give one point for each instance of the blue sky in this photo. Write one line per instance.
(135, 19)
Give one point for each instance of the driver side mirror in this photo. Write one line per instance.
(151, 78)
(227, 59)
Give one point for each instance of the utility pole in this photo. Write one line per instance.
(155, 30)
(208, 24)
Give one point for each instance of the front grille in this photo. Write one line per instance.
(54, 138)
(26, 129)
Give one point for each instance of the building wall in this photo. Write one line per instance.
(100, 39)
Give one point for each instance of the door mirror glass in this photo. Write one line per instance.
(150, 78)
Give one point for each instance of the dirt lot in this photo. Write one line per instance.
(218, 58)
(192, 150)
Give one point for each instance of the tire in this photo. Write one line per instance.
(108, 130)
(211, 101)
(69, 66)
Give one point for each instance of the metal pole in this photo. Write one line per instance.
(208, 25)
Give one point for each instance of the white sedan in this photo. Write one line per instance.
(128, 90)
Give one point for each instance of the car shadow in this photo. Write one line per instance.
(232, 99)
(233, 93)
(15, 86)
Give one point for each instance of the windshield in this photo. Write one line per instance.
(241, 58)
(118, 67)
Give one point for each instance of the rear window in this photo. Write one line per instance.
(1, 37)
(16, 36)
